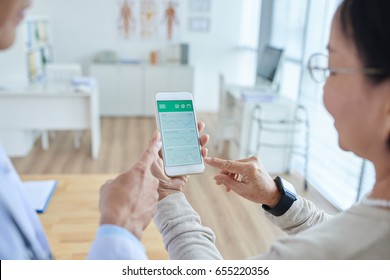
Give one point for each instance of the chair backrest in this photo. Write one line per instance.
(62, 74)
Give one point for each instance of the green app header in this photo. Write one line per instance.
(175, 106)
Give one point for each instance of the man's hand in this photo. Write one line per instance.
(129, 201)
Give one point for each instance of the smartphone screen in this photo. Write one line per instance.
(179, 133)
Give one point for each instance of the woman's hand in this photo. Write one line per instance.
(248, 178)
(171, 185)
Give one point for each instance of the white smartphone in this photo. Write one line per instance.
(176, 120)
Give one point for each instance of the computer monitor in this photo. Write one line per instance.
(268, 67)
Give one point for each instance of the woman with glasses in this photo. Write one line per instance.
(357, 95)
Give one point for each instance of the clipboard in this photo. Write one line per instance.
(40, 193)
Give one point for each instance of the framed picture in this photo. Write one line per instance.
(200, 6)
(199, 24)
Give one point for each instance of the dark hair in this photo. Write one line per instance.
(367, 24)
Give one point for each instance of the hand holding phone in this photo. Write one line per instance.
(176, 120)
(171, 185)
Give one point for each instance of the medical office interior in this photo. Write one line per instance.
(76, 106)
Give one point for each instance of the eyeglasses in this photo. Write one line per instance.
(320, 71)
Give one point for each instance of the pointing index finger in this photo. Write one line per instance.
(151, 152)
(226, 165)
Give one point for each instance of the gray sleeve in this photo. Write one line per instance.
(183, 235)
(303, 214)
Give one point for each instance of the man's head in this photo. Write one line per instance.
(11, 14)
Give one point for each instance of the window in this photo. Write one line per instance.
(288, 25)
(247, 42)
(249, 29)
(288, 31)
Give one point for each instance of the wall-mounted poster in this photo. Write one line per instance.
(126, 20)
(171, 19)
(148, 19)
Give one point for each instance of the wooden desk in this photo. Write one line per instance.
(43, 109)
(72, 217)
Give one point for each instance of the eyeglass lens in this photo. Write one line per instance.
(318, 66)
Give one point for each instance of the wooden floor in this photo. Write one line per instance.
(240, 227)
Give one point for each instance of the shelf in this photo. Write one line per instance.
(38, 47)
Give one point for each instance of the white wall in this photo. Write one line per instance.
(13, 64)
(81, 28)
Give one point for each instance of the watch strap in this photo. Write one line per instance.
(285, 201)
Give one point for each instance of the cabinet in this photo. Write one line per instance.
(128, 90)
(120, 89)
(38, 47)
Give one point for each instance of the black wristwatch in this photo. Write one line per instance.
(285, 202)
